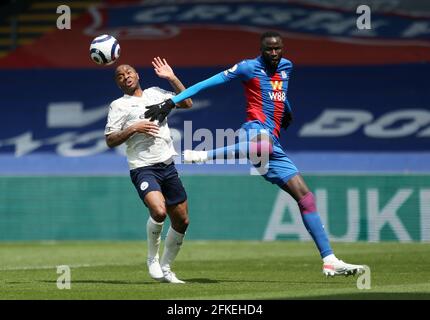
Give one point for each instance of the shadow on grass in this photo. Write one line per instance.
(201, 280)
(193, 280)
(122, 282)
(332, 283)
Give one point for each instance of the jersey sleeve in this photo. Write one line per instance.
(241, 70)
(290, 68)
(194, 89)
(115, 119)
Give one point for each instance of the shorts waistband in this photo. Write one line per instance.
(156, 165)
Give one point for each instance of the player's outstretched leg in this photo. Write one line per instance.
(332, 266)
(255, 147)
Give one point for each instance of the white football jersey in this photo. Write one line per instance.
(142, 149)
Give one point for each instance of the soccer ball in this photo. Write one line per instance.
(104, 49)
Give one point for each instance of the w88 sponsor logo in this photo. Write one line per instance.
(277, 96)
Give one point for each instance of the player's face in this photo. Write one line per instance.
(271, 51)
(127, 78)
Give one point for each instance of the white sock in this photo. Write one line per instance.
(153, 231)
(172, 244)
(329, 258)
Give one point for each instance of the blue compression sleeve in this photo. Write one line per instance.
(210, 82)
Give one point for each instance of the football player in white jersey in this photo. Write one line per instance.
(150, 155)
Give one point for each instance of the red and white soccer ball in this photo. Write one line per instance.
(104, 49)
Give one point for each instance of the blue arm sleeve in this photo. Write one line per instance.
(210, 82)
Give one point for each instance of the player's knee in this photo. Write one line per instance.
(185, 223)
(158, 212)
(180, 225)
(266, 147)
(260, 148)
(307, 203)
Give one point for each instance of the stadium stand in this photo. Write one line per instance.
(360, 100)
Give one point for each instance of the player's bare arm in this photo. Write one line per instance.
(163, 70)
(116, 138)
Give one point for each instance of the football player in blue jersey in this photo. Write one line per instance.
(265, 79)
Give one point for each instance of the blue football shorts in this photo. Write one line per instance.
(280, 168)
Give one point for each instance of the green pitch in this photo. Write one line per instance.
(212, 270)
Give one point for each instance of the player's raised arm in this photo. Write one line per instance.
(163, 70)
(161, 110)
(238, 71)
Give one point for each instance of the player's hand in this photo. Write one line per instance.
(162, 68)
(147, 127)
(286, 120)
(159, 111)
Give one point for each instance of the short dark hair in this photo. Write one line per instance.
(269, 34)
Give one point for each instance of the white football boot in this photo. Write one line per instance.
(170, 277)
(154, 269)
(339, 268)
(191, 156)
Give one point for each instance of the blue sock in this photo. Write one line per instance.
(313, 223)
(315, 228)
(237, 151)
